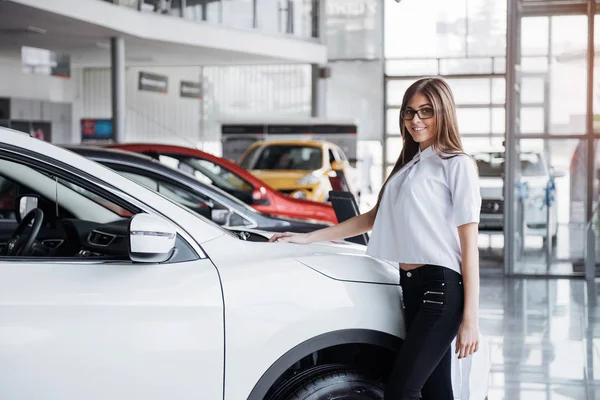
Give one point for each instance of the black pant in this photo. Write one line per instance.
(433, 299)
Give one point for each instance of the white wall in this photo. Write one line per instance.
(14, 83)
(39, 97)
(150, 116)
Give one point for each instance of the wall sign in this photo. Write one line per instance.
(153, 82)
(237, 137)
(191, 90)
(4, 108)
(96, 130)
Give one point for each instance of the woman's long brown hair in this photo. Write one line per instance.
(447, 138)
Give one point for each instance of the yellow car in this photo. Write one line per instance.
(301, 169)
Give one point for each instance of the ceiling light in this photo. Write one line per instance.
(35, 29)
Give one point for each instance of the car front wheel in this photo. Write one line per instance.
(329, 382)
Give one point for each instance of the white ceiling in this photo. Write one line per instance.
(88, 43)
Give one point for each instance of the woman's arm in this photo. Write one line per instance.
(468, 335)
(352, 227)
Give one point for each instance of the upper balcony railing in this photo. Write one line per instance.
(296, 18)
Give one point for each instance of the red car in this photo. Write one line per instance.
(233, 179)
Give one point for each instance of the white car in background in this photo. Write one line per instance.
(535, 173)
(109, 290)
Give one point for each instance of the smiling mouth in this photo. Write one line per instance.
(418, 129)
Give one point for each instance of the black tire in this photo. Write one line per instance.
(329, 382)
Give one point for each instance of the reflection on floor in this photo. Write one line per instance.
(565, 257)
(544, 338)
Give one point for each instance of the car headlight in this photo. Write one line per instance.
(309, 179)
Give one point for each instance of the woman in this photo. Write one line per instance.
(426, 219)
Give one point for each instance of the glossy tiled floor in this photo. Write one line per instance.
(544, 338)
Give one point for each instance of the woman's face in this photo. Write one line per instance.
(419, 119)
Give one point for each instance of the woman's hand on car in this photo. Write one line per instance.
(290, 237)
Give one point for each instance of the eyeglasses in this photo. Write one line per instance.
(423, 113)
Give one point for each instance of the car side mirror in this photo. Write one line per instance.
(151, 239)
(26, 204)
(220, 216)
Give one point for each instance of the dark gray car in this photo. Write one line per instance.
(208, 201)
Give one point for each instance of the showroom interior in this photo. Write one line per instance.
(220, 75)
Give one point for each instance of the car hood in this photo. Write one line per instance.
(339, 260)
(280, 178)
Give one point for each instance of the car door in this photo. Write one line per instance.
(77, 327)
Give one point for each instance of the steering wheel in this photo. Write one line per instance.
(22, 246)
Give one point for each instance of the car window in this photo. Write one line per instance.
(289, 157)
(249, 159)
(79, 215)
(213, 174)
(73, 199)
(202, 205)
(332, 158)
(98, 199)
(142, 180)
(210, 173)
(8, 196)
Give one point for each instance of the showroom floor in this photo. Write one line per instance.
(544, 338)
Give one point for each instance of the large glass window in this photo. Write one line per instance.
(203, 10)
(238, 13)
(464, 40)
(268, 16)
(353, 29)
(458, 28)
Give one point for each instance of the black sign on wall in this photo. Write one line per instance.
(191, 90)
(38, 129)
(153, 82)
(4, 108)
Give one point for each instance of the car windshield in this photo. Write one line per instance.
(286, 157)
(491, 164)
(214, 174)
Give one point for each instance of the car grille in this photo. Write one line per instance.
(492, 206)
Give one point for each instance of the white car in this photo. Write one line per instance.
(535, 175)
(110, 291)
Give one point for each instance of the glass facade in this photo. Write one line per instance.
(465, 42)
(238, 92)
(552, 208)
(289, 17)
(353, 29)
(554, 212)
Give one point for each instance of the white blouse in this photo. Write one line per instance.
(422, 206)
